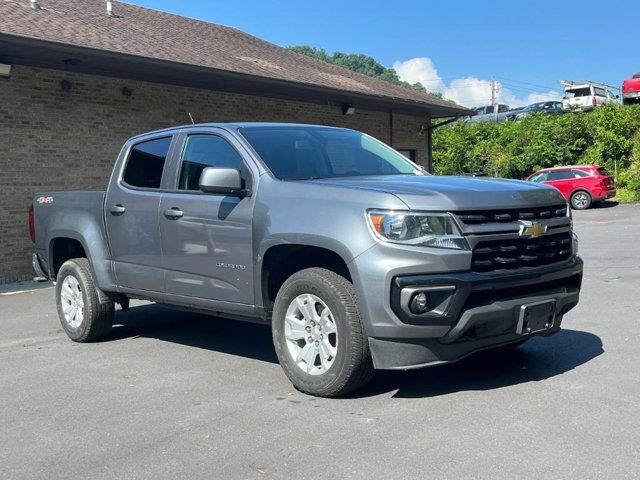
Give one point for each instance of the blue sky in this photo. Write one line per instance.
(453, 47)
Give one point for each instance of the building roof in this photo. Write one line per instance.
(180, 41)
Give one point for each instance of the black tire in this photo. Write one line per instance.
(580, 200)
(352, 367)
(98, 307)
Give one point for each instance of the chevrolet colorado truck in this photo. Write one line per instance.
(357, 258)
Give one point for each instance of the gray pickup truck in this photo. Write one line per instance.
(357, 258)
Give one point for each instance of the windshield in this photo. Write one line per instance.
(300, 153)
(534, 107)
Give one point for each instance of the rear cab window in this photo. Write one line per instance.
(578, 92)
(145, 163)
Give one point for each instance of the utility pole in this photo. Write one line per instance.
(494, 97)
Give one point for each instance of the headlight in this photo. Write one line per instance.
(424, 229)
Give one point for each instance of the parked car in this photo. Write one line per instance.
(356, 257)
(488, 114)
(581, 185)
(631, 89)
(586, 96)
(552, 108)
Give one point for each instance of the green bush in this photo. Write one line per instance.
(608, 136)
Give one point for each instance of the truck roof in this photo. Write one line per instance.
(233, 126)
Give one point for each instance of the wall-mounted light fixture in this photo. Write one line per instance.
(348, 109)
(422, 129)
(5, 70)
(66, 85)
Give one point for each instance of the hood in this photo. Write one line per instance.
(431, 192)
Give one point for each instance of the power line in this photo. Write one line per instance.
(537, 85)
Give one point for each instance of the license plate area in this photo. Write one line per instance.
(536, 317)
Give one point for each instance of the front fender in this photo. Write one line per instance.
(328, 243)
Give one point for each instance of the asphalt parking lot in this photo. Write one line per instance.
(179, 395)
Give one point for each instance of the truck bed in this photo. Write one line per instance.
(61, 214)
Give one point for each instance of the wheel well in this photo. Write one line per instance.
(584, 190)
(580, 190)
(282, 261)
(64, 249)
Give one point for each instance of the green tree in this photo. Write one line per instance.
(359, 63)
(609, 136)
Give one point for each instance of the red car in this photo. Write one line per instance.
(631, 89)
(581, 185)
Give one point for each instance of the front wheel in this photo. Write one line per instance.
(580, 200)
(85, 311)
(318, 334)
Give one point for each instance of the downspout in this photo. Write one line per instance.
(430, 130)
(391, 128)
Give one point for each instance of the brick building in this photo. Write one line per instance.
(75, 82)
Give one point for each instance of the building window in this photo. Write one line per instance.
(146, 162)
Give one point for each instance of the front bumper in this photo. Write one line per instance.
(481, 313)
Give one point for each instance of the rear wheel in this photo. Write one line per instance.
(86, 312)
(580, 200)
(318, 334)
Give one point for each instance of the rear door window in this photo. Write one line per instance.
(599, 92)
(560, 175)
(579, 173)
(146, 162)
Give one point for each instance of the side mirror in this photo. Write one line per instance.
(223, 181)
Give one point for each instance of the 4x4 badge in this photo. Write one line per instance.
(532, 229)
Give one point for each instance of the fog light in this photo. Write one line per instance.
(419, 303)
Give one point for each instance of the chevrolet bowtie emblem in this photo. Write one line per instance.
(532, 229)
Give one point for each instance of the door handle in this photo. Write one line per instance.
(117, 210)
(173, 213)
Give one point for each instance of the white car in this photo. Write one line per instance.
(586, 96)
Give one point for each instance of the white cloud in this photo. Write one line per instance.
(469, 91)
(466, 91)
(420, 70)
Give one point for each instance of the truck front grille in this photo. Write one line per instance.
(520, 252)
(503, 216)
